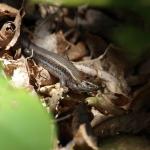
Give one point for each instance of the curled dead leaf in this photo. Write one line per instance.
(6, 10)
(55, 93)
(76, 51)
(104, 104)
(6, 33)
(17, 23)
(10, 30)
(82, 130)
(84, 139)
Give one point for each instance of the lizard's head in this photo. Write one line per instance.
(86, 86)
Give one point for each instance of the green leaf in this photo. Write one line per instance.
(24, 124)
(116, 3)
(134, 40)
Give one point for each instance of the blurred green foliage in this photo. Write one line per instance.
(134, 41)
(105, 3)
(24, 124)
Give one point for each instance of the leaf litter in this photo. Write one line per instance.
(120, 105)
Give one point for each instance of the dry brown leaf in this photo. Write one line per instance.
(82, 137)
(98, 117)
(77, 51)
(96, 44)
(42, 76)
(6, 10)
(69, 22)
(111, 70)
(17, 23)
(55, 93)
(62, 43)
(82, 130)
(39, 76)
(57, 43)
(47, 9)
(144, 67)
(97, 22)
(140, 100)
(6, 33)
(127, 123)
(10, 30)
(69, 146)
(126, 142)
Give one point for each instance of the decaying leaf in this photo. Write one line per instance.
(56, 42)
(104, 104)
(55, 93)
(41, 76)
(127, 123)
(17, 23)
(47, 9)
(96, 44)
(46, 41)
(10, 30)
(6, 33)
(76, 52)
(112, 72)
(126, 142)
(6, 10)
(82, 130)
(83, 139)
(17, 71)
(98, 117)
(140, 100)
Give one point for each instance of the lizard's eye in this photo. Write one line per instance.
(27, 52)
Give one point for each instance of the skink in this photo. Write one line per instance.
(58, 66)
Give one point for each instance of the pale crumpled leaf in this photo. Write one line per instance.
(48, 42)
(43, 37)
(17, 71)
(55, 93)
(20, 78)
